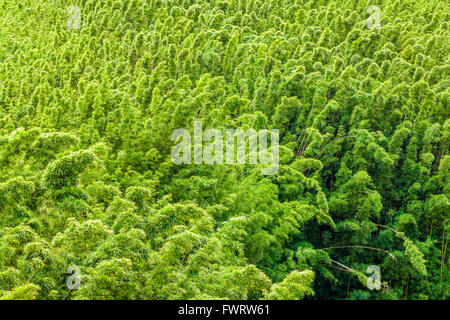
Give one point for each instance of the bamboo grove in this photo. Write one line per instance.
(86, 177)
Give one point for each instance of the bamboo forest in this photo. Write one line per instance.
(100, 201)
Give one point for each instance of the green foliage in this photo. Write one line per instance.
(86, 177)
(26, 292)
(294, 287)
(415, 257)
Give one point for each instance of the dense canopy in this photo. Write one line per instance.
(91, 91)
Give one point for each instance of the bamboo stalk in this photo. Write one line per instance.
(362, 247)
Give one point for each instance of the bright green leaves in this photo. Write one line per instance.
(406, 223)
(16, 143)
(295, 286)
(64, 171)
(286, 114)
(15, 191)
(306, 165)
(9, 278)
(110, 279)
(437, 208)
(48, 145)
(25, 292)
(415, 257)
(138, 195)
(82, 237)
(86, 176)
(129, 244)
(356, 198)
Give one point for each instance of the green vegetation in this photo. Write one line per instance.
(87, 180)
